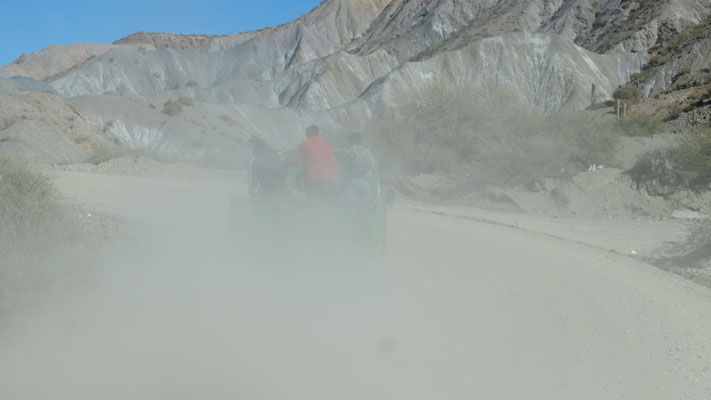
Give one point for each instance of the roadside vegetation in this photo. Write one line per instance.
(686, 166)
(175, 107)
(33, 224)
(491, 141)
(691, 258)
(107, 151)
(639, 124)
(630, 94)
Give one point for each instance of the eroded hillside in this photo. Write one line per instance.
(348, 60)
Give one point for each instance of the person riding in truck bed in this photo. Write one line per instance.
(320, 174)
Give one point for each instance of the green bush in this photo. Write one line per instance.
(175, 107)
(685, 166)
(455, 131)
(629, 93)
(638, 124)
(185, 101)
(33, 224)
(675, 112)
(102, 152)
(107, 126)
(27, 201)
(172, 108)
(602, 105)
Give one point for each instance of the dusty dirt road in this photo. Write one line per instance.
(459, 309)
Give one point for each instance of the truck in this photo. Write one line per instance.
(298, 228)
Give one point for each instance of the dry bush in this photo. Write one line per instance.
(685, 166)
(454, 131)
(675, 112)
(629, 93)
(639, 124)
(175, 107)
(185, 101)
(104, 151)
(107, 151)
(27, 200)
(33, 224)
(601, 105)
(228, 119)
(107, 127)
(172, 108)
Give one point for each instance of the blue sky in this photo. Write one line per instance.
(29, 26)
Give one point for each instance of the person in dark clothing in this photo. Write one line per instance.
(267, 172)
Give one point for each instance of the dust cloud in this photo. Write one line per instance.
(176, 311)
(192, 302)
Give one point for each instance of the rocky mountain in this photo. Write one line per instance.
(349, 60)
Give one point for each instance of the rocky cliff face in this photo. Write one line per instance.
(330, 58)
(349, 60)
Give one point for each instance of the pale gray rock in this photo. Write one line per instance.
(24, 84)
(349, 60)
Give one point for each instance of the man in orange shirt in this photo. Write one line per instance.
(320, 174)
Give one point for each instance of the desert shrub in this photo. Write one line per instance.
(556, 146)
(490, 141)
(685, 166)
(229, 120)
(638, 124)
(700, 238)
(602, 105)
(151, 152)
(695, 96)
(637, 77)
(675, 112)
(172, 108)
(192, 84)
(33, 224)
(107, 126)
(175, 107)
(629, 93)
(103, 151)
(432, 126)
(693, 254)
(185, 101)
(685, 84)
(27, 200)
(658, 59)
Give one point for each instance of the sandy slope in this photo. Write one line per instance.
(460, 308)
